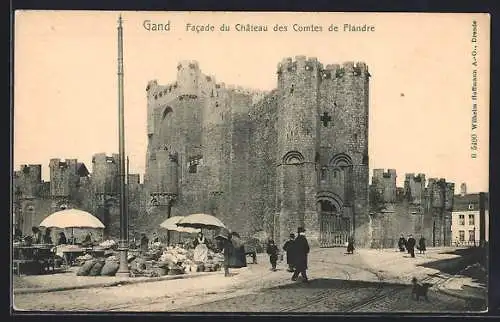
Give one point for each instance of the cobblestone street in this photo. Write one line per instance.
(368, 281)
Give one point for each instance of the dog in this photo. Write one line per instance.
(420, 289)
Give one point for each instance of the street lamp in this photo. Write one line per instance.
(171, 197)
(434, 233)
(123, 248)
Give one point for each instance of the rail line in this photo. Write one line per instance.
(379, 294)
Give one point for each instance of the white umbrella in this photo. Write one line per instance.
(72, 218)
(201, 221)
(171, 224)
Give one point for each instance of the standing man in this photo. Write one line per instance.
(301, 249)
(350, 245)
(402, 243)
(410, 245)
(288, 248)
(225, 244)
(421, 245)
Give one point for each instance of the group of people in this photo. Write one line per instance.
(410, 243)
(45, 237)
(297, 250)
(233, 249)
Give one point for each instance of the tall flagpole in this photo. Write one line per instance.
(123, 269)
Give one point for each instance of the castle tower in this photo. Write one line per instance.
(27, 184)
(64, 180)
(298, 144)
(241, 175)
(105, 173)
(385, 184)
(344, 176)
(436, 198)
(28, 179)
(188, 78)
(216, 147)
(414, 188)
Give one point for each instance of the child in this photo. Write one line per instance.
(272, 250)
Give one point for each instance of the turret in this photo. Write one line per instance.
(28, 179)
(298, 85)
(105, 173)
(63, 177)
(188, 78)
(385, 183)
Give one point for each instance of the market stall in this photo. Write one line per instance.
(171, 225)
(159, 259)
(33, 259)
(73, 218)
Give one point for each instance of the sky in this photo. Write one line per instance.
(65, 80)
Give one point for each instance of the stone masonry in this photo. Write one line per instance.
(415, 209)
(263, 162)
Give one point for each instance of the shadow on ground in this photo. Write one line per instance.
(471, 262)
(337, 295)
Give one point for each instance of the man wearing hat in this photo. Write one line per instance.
(300, 249)
(410, 245)
(288, 248)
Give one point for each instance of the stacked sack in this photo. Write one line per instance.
(108, 244)
(91, 267)
(111, 266)
(86, 267)
(80, 260)
(99, 267)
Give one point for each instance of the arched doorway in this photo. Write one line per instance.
(334, 228)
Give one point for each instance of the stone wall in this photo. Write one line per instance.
(417, 209)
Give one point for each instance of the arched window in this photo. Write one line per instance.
(327, 207)
(293, 157)
(166, 111)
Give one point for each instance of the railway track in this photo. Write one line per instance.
(383, 292)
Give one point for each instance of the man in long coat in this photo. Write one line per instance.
(288, 248)
(410, 245)
(226, 245)
(301, 250)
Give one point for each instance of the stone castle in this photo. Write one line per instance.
(420, 208)
(260, 161)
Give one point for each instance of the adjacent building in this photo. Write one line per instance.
(466, 223)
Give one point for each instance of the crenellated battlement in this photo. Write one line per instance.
(105, 158)
(34, 171)
(301, 64)
(62, 163)
(381, 173)
(420, 177)
(188, 64)
(333, 71)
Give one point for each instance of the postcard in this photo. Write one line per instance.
(250, 162)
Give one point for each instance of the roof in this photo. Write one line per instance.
(82, 170)
(461, 203)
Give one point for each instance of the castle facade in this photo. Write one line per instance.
(263, 162)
